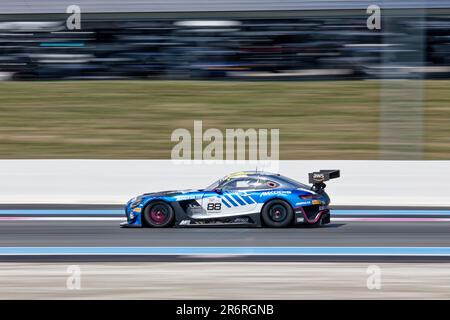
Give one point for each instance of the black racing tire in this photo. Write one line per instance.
(277, 214)
(158, 214)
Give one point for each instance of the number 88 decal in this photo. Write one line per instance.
(214, 206)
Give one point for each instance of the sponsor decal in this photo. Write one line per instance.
(270, 193)
(188, 197)
(318, 177)
(185, 222)
(137, 209)
(214, 205)
(316, 202)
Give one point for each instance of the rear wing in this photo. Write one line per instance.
(317, 178)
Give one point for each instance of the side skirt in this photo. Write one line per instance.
(183, 220)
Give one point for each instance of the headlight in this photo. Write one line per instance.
(135, 203)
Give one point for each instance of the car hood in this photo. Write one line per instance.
(169, 193)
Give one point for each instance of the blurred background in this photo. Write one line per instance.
(313, 69)
(319, 40)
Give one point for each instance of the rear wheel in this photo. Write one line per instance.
(277, 214)
(158, 214)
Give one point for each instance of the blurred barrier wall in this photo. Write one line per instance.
(408, 183)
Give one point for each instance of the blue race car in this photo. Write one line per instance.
(240, 199)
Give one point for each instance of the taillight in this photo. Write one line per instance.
(307, 197)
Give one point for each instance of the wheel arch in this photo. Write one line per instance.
(149, 202)
(276, 198)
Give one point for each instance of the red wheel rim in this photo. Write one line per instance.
(158, 214)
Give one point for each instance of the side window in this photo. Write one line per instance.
(241, 184)
(250, 183)
(267, 184)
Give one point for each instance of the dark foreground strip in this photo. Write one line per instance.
(228, 309)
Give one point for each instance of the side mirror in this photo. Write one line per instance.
(218, 190)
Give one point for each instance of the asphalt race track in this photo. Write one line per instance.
(108, 233)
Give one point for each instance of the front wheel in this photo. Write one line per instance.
(158, 214)
(277, 214)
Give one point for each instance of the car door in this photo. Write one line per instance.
(233, 198)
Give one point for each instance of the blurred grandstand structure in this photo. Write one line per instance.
(176, 39)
